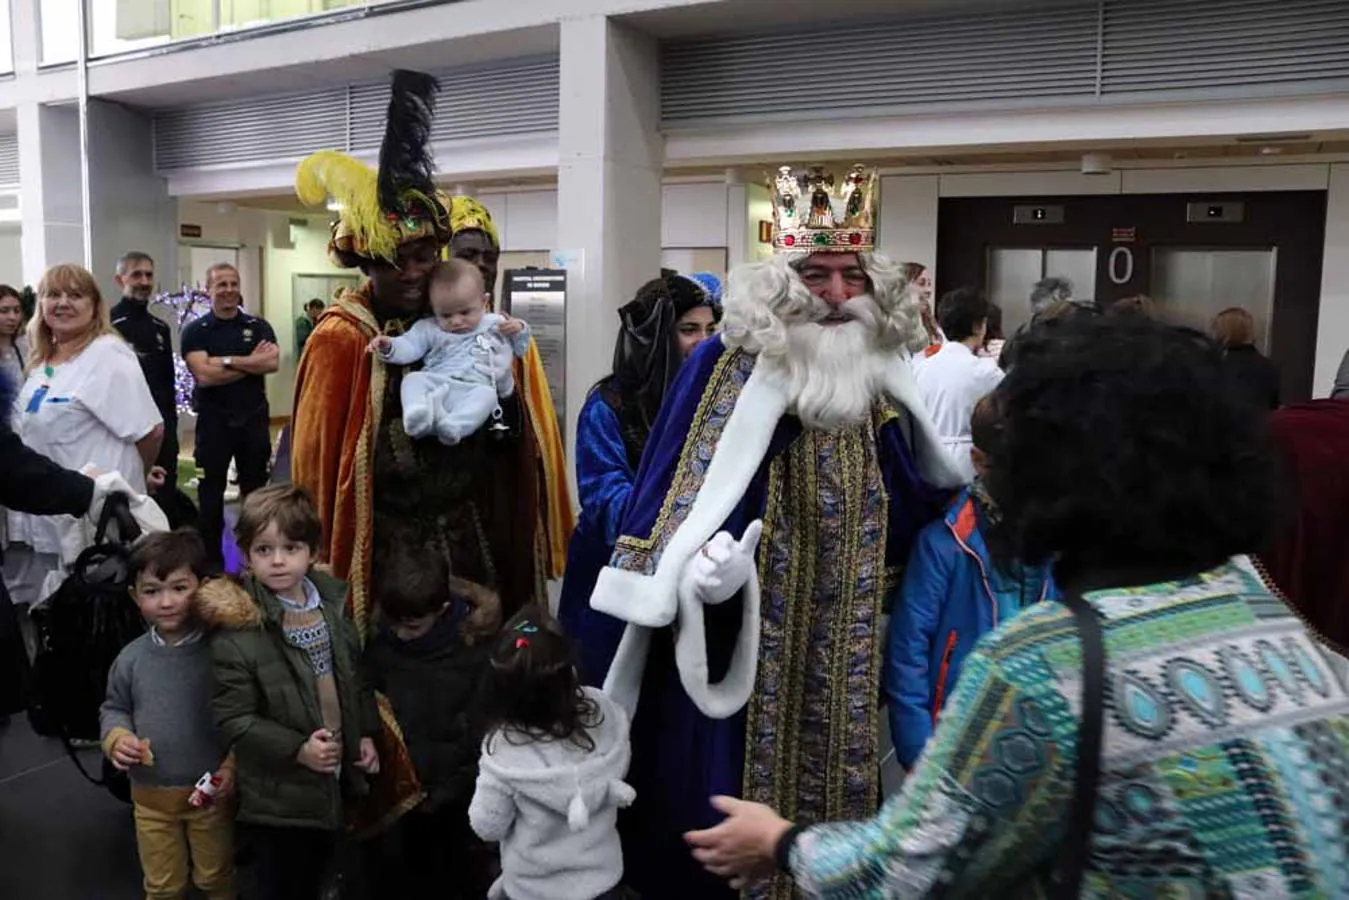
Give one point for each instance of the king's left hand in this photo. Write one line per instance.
(723, 566)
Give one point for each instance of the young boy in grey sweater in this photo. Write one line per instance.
(157, 725)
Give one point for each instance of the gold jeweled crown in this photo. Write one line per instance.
(812, 213)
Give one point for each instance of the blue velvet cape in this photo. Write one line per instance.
(604, 480)
(680, 758)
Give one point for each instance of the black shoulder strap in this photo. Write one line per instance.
(1073, 855)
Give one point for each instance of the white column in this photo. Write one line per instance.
(737, 219)
(1332, 327)
(50, 199)
(609, 188)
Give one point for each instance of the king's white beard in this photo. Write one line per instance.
(832, 373)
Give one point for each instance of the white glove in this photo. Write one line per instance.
(105, 485)
(721, 568)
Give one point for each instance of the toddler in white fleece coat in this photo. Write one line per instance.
(550, 780)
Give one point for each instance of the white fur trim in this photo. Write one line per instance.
(654, 601)
(623, 684)
(728, 696)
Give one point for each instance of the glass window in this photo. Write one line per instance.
(60, 24)
(6, 39)
(120, 26)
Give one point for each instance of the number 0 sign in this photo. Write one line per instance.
(1121, 258)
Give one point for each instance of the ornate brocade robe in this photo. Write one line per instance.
(840, 510)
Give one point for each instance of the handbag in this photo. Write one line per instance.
(1066, 883)
(81, 629)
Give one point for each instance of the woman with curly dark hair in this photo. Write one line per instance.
(1172, 729)
(659, 328)
(550, 780)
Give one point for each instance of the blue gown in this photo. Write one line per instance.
(680, 757)
(604, 478)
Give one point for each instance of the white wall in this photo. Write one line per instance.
(693, 214)
(11, 257)
(525, 220)
(308, 256)
(1332, 328)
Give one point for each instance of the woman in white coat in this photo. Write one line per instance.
(84, 403)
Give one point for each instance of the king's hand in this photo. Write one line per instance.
(723, 566)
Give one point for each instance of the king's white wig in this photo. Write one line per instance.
(762, 299)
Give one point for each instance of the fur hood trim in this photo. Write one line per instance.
(224, 603)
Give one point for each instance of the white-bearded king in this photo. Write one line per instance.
(754, 663)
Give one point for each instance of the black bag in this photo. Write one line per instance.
(1072, 861)
(81, 628)
(178, 507)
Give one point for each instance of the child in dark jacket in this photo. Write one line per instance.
(427, 656)
(289, 694)
(953, 594)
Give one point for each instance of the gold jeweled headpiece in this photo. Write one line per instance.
(812, 213)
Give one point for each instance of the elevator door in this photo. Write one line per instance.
(1197, 254)
(1014, 271)
(1194, 284)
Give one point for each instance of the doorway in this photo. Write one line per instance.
(1194, 255)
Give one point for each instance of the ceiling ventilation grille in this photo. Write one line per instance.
(877, 68)
(514, 97)
(1251, 45)
(1072, 52)
(9, 160)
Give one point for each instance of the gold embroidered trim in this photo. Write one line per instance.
(361, 553)
(722, 389)
(823, 766)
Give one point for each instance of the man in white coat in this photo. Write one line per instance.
(955, 378)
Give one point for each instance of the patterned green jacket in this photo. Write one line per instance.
(1224, 774)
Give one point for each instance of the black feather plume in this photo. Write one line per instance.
(405, 163)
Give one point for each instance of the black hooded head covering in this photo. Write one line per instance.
(646, 356)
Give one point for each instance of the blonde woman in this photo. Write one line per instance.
(1252, 372)
(84, 402)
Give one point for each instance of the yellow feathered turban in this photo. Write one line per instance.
(467, 214)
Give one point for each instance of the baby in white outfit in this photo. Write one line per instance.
(455, 392)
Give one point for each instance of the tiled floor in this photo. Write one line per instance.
(61, 838)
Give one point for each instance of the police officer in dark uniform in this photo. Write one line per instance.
(229, 352)
(153, 341)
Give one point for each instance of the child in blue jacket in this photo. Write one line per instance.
(951, 596)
